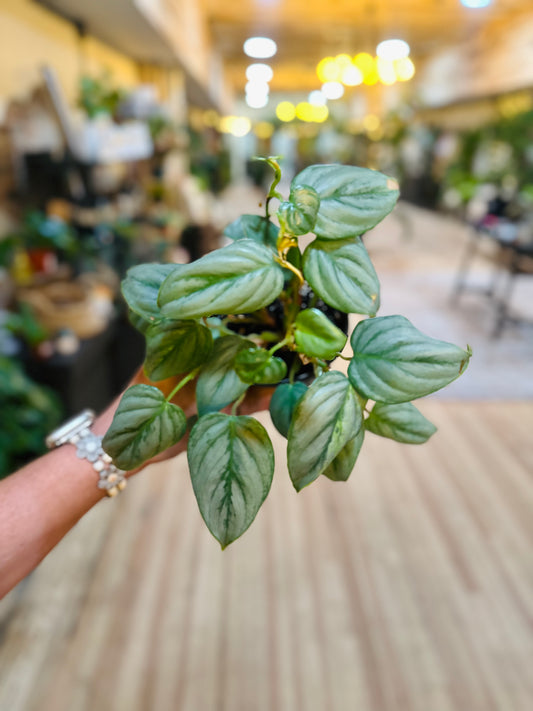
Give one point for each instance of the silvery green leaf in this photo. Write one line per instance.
(144, 425)
(141, 287)
(231, 461)
(324, 421)
(256, 365)
(402, 422)
(342, 466)
(352, 199)
(316, 336)
(394, 362)
(300, 211)
(341, 273)
(140, 323)
(283, 403)
(174, 347)
(218, 384)
(254, 227)
(239, 278)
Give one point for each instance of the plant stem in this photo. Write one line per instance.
(279, 345)
(183, 382)
(237, 402)
(295, 367)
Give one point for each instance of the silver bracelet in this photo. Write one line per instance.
(89, 446)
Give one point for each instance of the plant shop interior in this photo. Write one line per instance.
(133, 132)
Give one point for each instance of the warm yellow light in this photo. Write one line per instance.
(304, 111)
(371, 122)
(211, 118)
(263, 129)
(310, 113)
(238, 126)
(286, 111)
(320, 113)
(364, 62)
(404, 68)
(386, 71)
(328, 69)
(351, 75)
(343, 61)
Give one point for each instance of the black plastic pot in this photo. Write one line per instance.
(275, 310)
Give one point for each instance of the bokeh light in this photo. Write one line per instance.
(286, 111)
(260, 47)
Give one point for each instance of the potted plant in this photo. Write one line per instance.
(246, 314)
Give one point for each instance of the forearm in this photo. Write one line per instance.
(40, 503)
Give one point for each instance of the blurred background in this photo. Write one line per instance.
(127, 134)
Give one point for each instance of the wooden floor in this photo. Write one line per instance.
(409, 589)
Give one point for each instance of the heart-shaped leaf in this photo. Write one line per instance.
(256, 365)
(299, 213)
(144, 425)
(239, 278)
(394, 362)
(174, 347)
(342, 466)
(341, 273)
(141, 287)
(402, 422)
(316, 336)
(283, 403)
(324, 421)
(352, 199)
(255, 227)
(231, 461)
(218, 384)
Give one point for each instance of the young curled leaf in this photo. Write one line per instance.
(352, 199)
(174, 347)
(402, 422)
(239, 278)
(325, 420)
(342, 466)
(231, 461)
(316, 336)
(283, 403)
(299, 213)
(144, 425)
(341, 273)
(256, 365)
(394, 362)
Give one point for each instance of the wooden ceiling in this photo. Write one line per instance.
(307, 30)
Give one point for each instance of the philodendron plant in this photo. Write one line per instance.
(253, 313)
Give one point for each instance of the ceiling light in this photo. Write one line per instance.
(393, 49)
(476, 3)
(256, 88)
(404, 68)
(236, 125)
(286, 111)
(260, 47)
(351, 75)
(332, 90)
(328, 69)
(259, 72)
(386, 71)
(256, 101)
(317, 98)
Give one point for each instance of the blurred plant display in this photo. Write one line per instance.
(28, 412)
